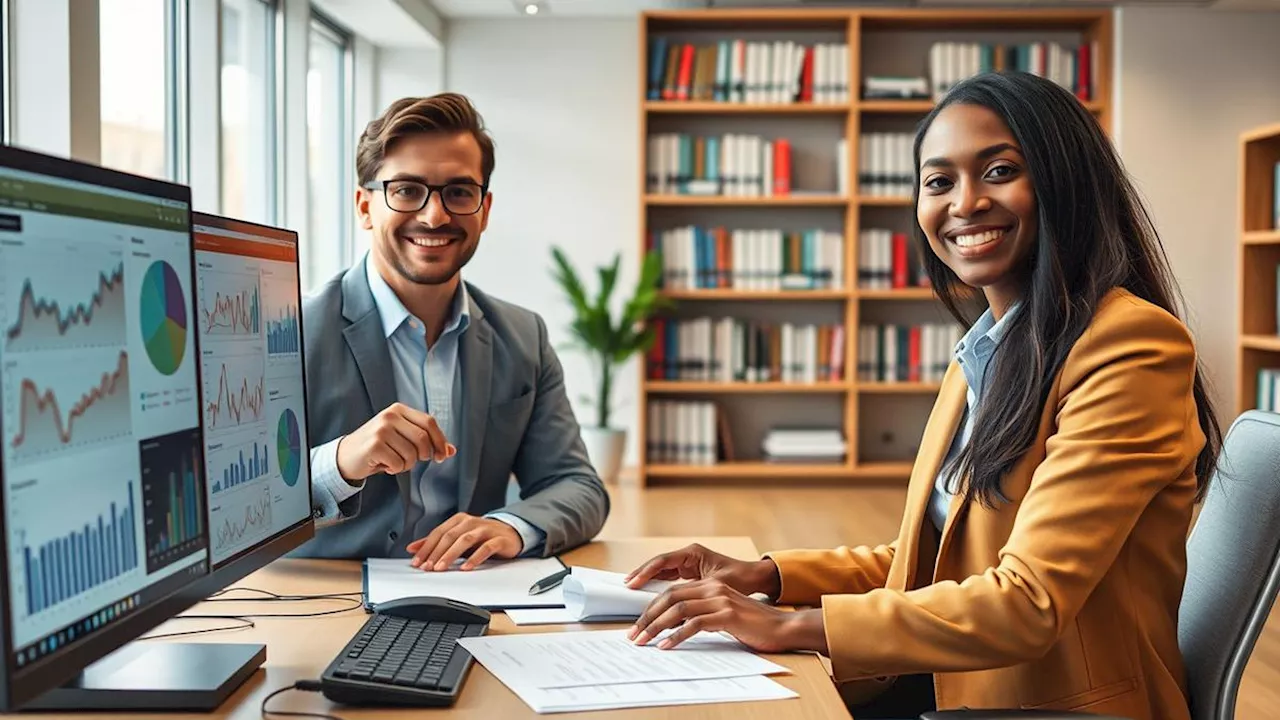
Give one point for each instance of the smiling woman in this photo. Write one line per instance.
(1042, 554)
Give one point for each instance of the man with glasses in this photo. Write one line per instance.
(427, 394)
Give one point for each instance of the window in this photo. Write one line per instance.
(248, 119)
(136, 85)
(328, 151)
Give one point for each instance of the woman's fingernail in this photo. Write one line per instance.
(666, 643)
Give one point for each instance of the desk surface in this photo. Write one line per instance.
(300, 648)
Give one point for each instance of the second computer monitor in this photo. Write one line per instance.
(255, 421)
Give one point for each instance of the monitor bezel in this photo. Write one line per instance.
(19, 686)
(256, 557)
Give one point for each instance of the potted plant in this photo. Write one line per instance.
(610, 342)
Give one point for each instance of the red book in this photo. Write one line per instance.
(657, 351)
(1084, 72)
(684, 80)
(781, 167)
(806, 76)
(900, 265)
(913, 354)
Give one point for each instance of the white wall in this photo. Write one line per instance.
(566, 133)
(1190, 81)
(408, 72)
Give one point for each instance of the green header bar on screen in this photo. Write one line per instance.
(59, 200)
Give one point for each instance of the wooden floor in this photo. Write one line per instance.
(827, 517)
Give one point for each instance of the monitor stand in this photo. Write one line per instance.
(158, 676)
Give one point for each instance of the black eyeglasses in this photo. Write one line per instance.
(410, 196)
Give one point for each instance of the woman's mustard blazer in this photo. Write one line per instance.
(1066, 596)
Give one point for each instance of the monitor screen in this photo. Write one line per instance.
(248, 295)
(102, 463)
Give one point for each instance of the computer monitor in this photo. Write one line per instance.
(102, 468)
(248, 290)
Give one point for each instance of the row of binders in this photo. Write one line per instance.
(739, 71)
(733, 165)
(1269, 390)
(903, 353)
(695, 257)
(886, 261)
(682, 432)
(886, 164)
(1070, 66)
(726, 350)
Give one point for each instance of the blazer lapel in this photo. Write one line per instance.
(368, 344)
(476, 361)
(935, 442)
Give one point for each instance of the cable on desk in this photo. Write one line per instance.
(276, 597)
(246, 623)
(304, 686)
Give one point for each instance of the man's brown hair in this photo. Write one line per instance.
(446, 113)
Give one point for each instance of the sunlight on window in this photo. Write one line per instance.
(134, 92)
(248, 110)
(327, 182)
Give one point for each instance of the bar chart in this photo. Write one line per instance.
(282, 332)
(171, 490)
(83, 559)
(240, 465)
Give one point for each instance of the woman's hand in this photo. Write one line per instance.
(695, 562)
(712, 606)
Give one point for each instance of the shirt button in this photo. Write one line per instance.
(413, 324)
(393, 535)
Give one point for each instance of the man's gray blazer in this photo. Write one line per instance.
(516, 419)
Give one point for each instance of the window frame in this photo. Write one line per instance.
(344, 38)
(274, 156)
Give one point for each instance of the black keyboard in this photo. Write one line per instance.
(398, 661)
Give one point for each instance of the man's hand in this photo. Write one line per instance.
(483, 537)
(392, 442)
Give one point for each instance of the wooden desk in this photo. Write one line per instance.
(300, 648)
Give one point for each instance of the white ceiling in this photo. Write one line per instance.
(629, 8)
(385, 23)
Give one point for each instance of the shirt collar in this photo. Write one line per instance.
(988, 329)
(394, 313)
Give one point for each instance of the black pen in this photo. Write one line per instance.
(549, 582)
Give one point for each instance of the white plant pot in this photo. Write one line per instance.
(605, 447)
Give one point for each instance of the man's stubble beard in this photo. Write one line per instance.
(402, 266)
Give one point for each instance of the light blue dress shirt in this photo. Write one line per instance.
(426, 379)
(973, 353)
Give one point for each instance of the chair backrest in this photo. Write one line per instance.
(1233, 565)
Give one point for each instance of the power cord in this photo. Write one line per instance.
(304, 686)
(245, 621)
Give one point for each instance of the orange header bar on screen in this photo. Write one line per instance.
(275, 244)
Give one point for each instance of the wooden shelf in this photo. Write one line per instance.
(922, 107)
(915, 293)
(1270, 343)
(1262, 237)
(735, 201)
(691, 107)
(899, 388)
(732, 294)
(891, 470)
(685, 386)
(884, 201)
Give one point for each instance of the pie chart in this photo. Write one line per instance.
(289, 447)
(164, 317)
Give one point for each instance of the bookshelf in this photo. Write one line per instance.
(881, 421)
(1259, 345)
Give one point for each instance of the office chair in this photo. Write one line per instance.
(1233, 573)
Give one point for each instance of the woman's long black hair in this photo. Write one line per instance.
(1094, 235)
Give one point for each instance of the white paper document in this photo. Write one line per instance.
(579, 659)
(496, 584)
(653, 694)
(590, 593)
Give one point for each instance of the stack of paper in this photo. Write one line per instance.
(562, 672)
(495, 585)
(591, 595)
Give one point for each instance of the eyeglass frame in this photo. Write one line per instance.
(438, 189)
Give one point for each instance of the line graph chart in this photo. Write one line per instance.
(239, 518)
(235, 391)
(55, 305)
(230, 304)
(49, 407)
